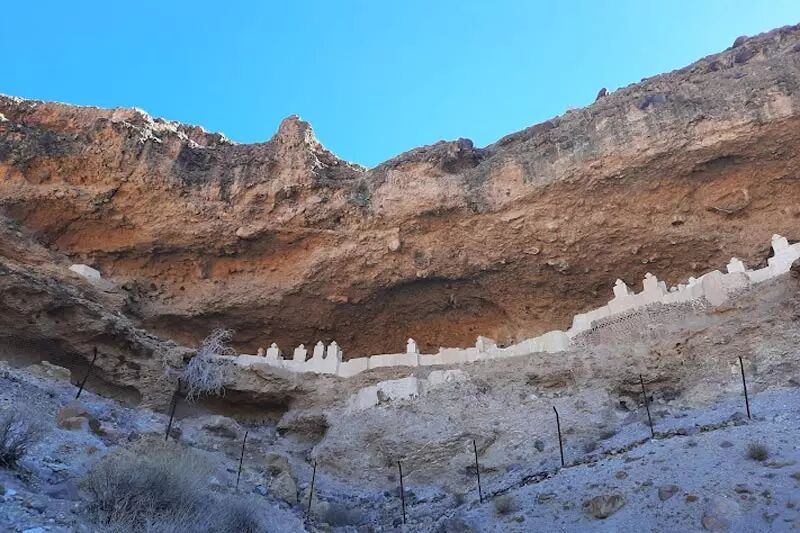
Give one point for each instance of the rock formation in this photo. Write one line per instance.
(283, 240)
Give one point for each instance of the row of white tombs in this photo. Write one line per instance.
(712, 288)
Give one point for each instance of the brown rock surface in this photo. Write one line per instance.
(284, 242)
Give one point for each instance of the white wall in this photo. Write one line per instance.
(713, 287)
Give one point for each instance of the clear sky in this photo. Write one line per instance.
(374, 77)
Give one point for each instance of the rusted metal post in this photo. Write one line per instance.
(86, 377)
(560, 443)
(647, 407)
(478, 471)
(241, 459)
(402, 491)
(172, 409)
(311, 492)
(744, 385)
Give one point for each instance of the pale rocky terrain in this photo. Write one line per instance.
(284, 242)
(694, 476)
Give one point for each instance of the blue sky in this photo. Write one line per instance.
(374, 78)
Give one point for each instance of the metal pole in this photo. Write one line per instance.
(172, 409)
(560, 443)
(402, 491)
(311, 492)
(477, 470)
(241, 458)
(744, 384)
(647, 406)
(86, 377)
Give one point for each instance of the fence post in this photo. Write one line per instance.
(647, 407)
(86, 377)
(744, 385)
(560, 443)
(402, 491)
(311, 492)
(172, 409)
(241, 459)
(478, 471)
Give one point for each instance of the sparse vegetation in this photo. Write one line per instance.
(158, 487)
(16, 437)
(757, 451)
(339, 515)
(205, 375)
(504, 504)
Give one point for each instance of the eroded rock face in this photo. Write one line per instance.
(282, 241)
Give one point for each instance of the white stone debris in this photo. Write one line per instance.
(87, 272)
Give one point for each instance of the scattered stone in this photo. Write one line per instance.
(720, 514)
(690, 498)
(666, 492)
(605, 505)
(621, 474)
(539, 445)
(726, 444)
(545, 497)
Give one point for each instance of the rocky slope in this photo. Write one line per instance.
(695, 475)
(282, 241)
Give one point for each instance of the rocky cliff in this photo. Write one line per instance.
(282, 241)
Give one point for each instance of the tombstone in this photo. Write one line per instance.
(484, 344)
(300, 354)
(273, 352)
(736, 265)
(319, 351)
(651, 285)
(411, 346)
(334, 351)
(779, 243)
(260, 352)
(621, 289)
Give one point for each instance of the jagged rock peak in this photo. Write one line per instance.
(294, 131)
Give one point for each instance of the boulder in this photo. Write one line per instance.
(276, 464)
(284, 488)
(720, 514)
(75, 416)
(46, 369)
(222, 426)
(605, 505)
(87, 272)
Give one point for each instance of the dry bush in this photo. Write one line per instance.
(16, 438)
(160, 487)
(757, 451)
(504, 504)
(205, 374)
(337, 514)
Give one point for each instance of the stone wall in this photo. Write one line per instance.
(624, 311)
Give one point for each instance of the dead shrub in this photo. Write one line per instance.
(205, 374)
(159, 487)
(504, 504)
(757, 451)
(16, 437)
